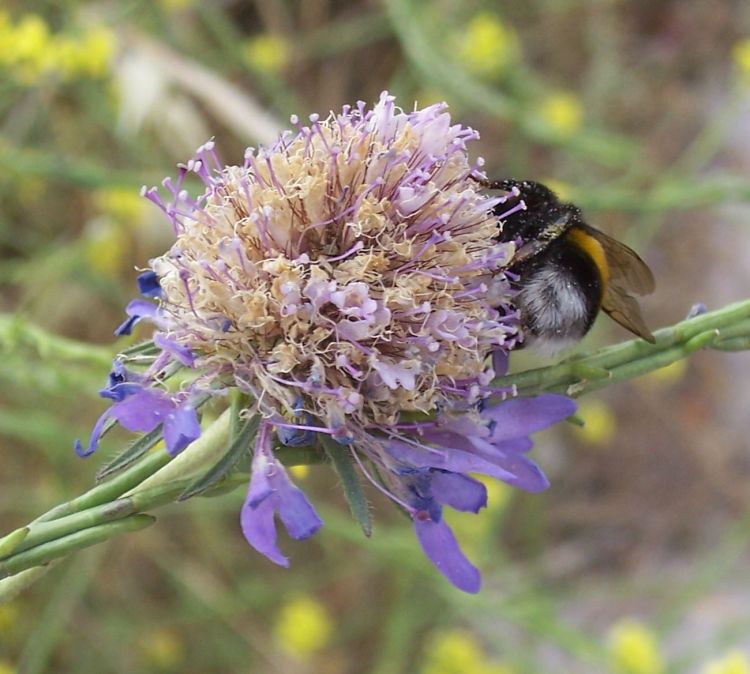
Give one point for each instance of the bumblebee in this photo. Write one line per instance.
(566, 270)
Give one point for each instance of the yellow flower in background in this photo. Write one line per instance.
(26, 48)
(487, 47)
(268, 53)
(498, 493)
(734, 662)
(562, 189)
(472, 532)
(122, 203)
(458, 652)
(303, 627)
(562, 113)
(96, 49)
(300, 472)
(163, 649)
(741, 55)
(7, 668)
(666, 376)
(600, 424)
(31, 52)
(633, 649)
(104, 242)
(106, 238)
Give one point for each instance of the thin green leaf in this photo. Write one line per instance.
(130, 455)
(237, 447)
(343, 463)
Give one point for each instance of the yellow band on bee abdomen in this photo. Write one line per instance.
(589, 245)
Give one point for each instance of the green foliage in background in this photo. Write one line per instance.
(631, 110)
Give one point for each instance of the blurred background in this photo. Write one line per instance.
(636, 559)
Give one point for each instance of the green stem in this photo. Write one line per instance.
(45, 553)
(635, 357)
(112, 489)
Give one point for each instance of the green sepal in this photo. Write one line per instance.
(130, 455)
(238, 446)
(343, 464)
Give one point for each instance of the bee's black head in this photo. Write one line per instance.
(542, 209)
(537, 197)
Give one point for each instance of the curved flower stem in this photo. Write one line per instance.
(721, 329)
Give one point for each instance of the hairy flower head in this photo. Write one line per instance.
(349, 272)
(349, 280)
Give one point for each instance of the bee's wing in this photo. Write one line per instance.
(626, 268)
(624, 309)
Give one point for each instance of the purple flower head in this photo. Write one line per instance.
(348, 280)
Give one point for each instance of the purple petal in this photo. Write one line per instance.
(96, 433)
(524, 473)
(487, 446)
(137, 310)
(450, 459)
(297, 513)
(148, 284)
(119, 392)
(460, 492)
(263, 466)
(517, 417)
(179, 352)
(450, 440)
(142, 411)
(142, 309)
(126, 327)
(440, 546)
(121, 382)
(181, 427)
(514, 446)
(500, 362)
(259, 529)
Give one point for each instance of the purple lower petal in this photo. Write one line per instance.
(440, 546)
(126, 327)
(460, 492)
(518, 417)
(181, 427)
(297, 513)
(94, 439)
(524, 473)
(259, 529)
(179, 352)
(137, 310)
(452, 460)
(142, 411)
(514, 446)
(263, 467)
